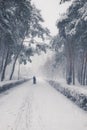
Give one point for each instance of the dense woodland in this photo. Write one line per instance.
(70, 45)
(19, 20)
(73, 28)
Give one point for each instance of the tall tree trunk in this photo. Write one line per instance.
(86, 69)
(3, 53)
(69, 63)
(73, 72)
(84, 74)
(2, 63)
(5, 65)
(82, 68)
(13, 67)
(19, 71)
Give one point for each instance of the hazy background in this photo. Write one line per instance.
(51, 11)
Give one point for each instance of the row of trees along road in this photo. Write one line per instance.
(18, 19)
(72, 41)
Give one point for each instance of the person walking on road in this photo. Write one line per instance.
(34, 80)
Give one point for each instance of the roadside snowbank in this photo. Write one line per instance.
(75, 93)
(10, 84)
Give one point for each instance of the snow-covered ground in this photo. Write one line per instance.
(39, 107)
(76, 93)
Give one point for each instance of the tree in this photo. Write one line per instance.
(72, 27)
(62, 1)
(35, 30)
(18, 20)
(13, 24)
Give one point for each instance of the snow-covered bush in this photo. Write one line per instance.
(10, 84)
(74, 93)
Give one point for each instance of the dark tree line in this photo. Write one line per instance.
(72, 38)
(18, 19)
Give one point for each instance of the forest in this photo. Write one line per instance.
(21, 20)
(70, 44)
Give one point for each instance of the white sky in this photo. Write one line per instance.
(50, 10)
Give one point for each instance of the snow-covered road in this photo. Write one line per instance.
(39, 107)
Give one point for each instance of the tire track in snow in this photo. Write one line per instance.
(23, 119)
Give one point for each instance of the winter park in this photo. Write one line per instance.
(43, 64)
